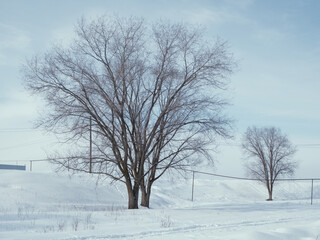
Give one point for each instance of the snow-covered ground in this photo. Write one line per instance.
(37, 206)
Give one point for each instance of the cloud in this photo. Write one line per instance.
(243, 4)
(205, 16)
(63, 35)
(215, 16)
(269, 35)
(2, 58)
(13, 44)
(13, 38)
(17, 106)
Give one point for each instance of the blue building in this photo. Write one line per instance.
(12, 167)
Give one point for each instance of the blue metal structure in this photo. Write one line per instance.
(12, 167)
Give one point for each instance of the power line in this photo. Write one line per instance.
(312, 145)
(302, 145)
(250, 179)
(23, 145)
(31, 160)
(9, 130)
(187, 170)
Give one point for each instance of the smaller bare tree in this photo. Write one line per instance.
(270, 155)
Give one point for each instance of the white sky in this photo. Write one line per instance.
(277, 83)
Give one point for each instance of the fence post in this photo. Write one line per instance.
(311, 190)
(90, 160)
(192, 186)
(31, 166)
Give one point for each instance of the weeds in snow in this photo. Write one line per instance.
(61, 225)
(166, 221)
(88, 223)
(75, 223)
(47, 229)
(116, 209)
(27, 213)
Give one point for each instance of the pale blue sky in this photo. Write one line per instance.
(276, 44)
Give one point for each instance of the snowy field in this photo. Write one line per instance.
(38, 206)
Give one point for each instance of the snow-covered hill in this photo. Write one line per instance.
(48, 206)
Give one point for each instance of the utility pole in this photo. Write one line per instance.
(192, 186)
(90, 164)
(311, 191)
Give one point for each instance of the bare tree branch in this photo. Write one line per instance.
(270, 153)
(153, 95)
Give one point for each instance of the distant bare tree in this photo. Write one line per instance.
(152, 94)
(271, 153)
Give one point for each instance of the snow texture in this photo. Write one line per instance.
(41, 206)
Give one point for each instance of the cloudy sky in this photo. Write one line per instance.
(276, 44)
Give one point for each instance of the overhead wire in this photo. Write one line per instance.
(9, 130)
(22, 145)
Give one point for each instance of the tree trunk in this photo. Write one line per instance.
(270, 193)
(133, 196)
(270, 197)
(145, 194)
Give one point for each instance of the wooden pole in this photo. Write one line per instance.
(192, 186)
(30, 166)
(90, 164)
(311, 191)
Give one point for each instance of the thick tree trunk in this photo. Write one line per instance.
(145, 194)
(133, 196)
(270, 193)
(144, 199)
(270, 197)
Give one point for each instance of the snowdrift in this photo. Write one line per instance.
(50, 206)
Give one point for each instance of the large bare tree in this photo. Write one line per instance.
(270, 153)
(150, 96)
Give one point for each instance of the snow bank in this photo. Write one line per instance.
(49, 206)
(45, 188)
